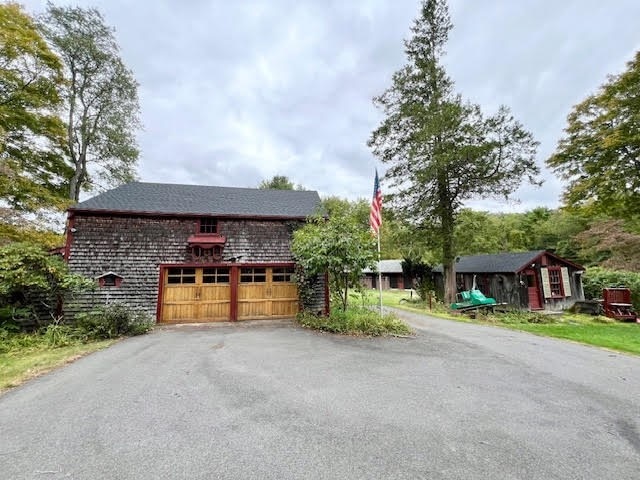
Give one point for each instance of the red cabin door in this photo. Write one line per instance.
(533, 290)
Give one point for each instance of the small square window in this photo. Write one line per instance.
(208, 225)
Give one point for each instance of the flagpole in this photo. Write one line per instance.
(375, 221)
(379, 272)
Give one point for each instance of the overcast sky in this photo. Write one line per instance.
(233, 92)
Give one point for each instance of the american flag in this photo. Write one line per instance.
(375, 217)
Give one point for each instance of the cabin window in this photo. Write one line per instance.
(109, 281)
(208, 225)
(531, 281)
(555, 282)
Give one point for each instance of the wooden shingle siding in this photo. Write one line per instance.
(258, 241)
(316, 303)
(134, 247)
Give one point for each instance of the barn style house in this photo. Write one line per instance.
(538, 280)
(189, 253)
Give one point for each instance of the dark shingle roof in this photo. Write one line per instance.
(387, 266)
(204, 200)
(496, 263)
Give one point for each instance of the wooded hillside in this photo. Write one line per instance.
(605, 241)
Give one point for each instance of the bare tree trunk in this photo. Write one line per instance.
(75, 180)
(79, 158)
(346, 291)
(448, 261)
(447, 231)
(450, 286)
(74, 189)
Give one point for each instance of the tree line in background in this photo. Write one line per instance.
(339, 241)
(68, 115)
(576, 235)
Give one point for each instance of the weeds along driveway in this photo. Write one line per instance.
(274, 401)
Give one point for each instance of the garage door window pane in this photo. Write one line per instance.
(215, 275)
(188, 275)
(253, 275)
(181, 275)
(284, 274)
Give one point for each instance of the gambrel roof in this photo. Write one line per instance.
(164, 198)
(511, 262)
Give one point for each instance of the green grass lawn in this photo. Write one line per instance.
(405, 300)
(598, 331)
(624, 337)
(20, 364)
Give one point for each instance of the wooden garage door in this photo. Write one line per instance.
(196, 295)
(267, 293)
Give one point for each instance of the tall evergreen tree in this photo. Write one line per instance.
(441, 150)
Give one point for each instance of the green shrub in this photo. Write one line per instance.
(113, 321)
(10, 340)
(56, 335)
(12, 318)
(597, 278)
(355, 321)
(33, 282)
(140, 323)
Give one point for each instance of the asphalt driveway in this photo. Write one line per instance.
(274, 401)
